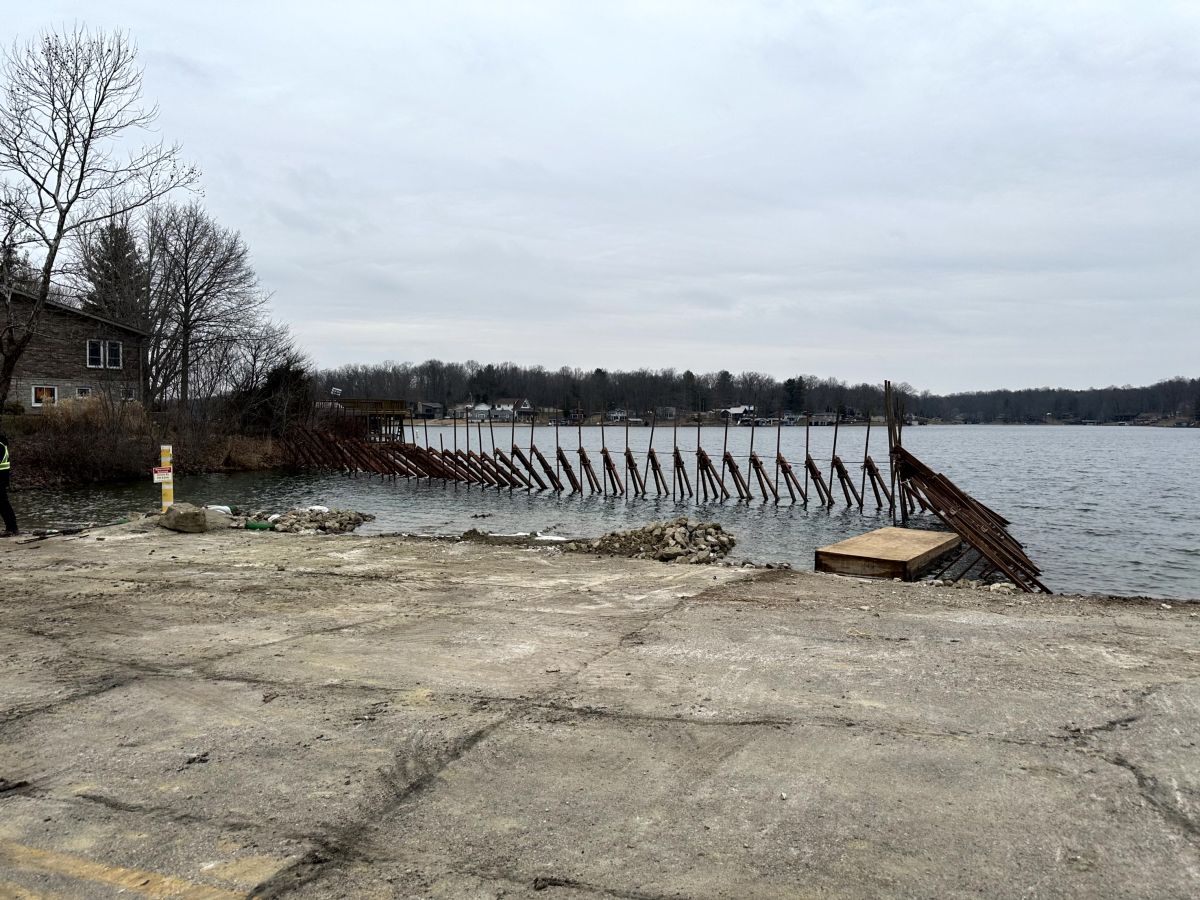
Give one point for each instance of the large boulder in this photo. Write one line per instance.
(193, 519)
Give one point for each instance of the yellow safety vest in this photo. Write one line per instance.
(4, 464)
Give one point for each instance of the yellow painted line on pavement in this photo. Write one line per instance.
(151, 884)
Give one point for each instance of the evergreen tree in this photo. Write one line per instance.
(115, 270)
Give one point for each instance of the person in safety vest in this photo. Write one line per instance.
(6, 510)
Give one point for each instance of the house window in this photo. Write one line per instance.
(95, 354)
(128, 393)
(112, 352)
(83, 392)
(44, 395)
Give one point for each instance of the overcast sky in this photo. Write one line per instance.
(957, 195)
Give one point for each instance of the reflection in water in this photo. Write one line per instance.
(1110, 510)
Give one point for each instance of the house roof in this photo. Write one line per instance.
(58, 306)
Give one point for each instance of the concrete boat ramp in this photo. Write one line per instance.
(248, 714)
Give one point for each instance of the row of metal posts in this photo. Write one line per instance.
(498, 469)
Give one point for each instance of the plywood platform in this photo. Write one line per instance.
(904, 553)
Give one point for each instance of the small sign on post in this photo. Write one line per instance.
(164, 474)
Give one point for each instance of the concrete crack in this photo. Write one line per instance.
(1157, 796)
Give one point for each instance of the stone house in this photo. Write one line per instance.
(77, 354)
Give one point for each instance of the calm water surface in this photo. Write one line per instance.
(1109, 510)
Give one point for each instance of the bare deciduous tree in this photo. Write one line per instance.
(68, 106)
(206, 296)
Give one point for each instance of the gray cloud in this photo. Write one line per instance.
(955, 195)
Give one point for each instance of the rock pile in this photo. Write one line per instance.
(312, 520)
(678, 540)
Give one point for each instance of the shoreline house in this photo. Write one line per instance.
(76, 354)
(427, 409)
(503, 410)
(736, 414)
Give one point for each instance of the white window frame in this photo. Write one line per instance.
(108, 345)
(87, 354)
(128, 393)
(82, 392)
(33, 389)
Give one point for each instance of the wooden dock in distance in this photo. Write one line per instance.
(904, 553)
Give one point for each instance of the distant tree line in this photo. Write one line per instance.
(648, 390)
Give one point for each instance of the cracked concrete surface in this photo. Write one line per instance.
(244, 714)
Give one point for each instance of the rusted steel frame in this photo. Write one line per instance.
(415, 457)
(807, 429)
(450, 461)
(368, 458)
(415, 460)
(505, 460)
(985, 538)
(470, 463)
(632, 475)
(681, 474)
(739, 482)
(810, 467)
(849, 490)
(837, 421)
(779, 451)
(506, 464)
(610, 469)
(555, 481)
(312, 459)
(430, 467)
(363, 458)
(969, 566)
(649, 453)
(520, 456)
(467, 465)
(301, 454)
(941, 491)
(325, 447)
(419, 456)
(789, 477)
(764, 483)
(984, 526)
(963, 549)
(878, 485)
(862, 488)
(725, 455)
(909, 468)
(660, 480)
(386, 451)
(400, 466)
(483, 468)
(585, 465)
(460, 466)
(561, 459)
(298, 449)
(919, 497)
(349, 463)
(488, 465)
(702, 482)
(710, 470)
(379, 463)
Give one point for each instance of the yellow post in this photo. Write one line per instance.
(168, 483)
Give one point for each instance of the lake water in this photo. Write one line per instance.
(1105, 510)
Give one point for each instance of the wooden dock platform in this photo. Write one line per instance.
(904, 553)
